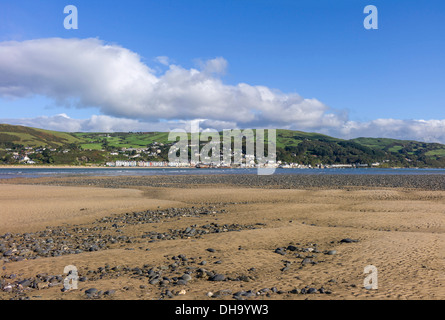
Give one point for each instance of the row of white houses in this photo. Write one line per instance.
(124, 163)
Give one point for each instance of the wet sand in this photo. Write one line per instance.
(398, 230)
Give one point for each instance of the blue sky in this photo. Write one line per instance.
(316, 49)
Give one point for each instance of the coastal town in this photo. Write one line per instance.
(140, 158)
(26, 146)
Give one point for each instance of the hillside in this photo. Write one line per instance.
(292, 147)
(32, 137)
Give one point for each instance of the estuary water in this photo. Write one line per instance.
(9, 173)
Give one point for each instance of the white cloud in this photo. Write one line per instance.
(96, 123)
(88, 73)
(163, 60)
(102, 123)
(214, 66)
(419, 130)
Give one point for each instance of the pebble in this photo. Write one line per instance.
(280, 251)
(91, 292)
(312, 290)
(63, 240)
(307, 261)
(291, 181)
(348, 240)
(186, 277)
(109, 292)
(218, 277)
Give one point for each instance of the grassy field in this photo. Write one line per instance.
(436, 153)
(288, 138)
(35, 137)
(95, 141)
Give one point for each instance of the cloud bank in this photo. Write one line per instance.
(89, 73)
(131, 96)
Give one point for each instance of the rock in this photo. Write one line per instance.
(93, 248)
(181, 282)
(25, 283)
(348, 240)
(312, 290)
(218, 277)
(8, 253)
(280, 251)
(164, 283)
(211, 250)
(331, 252)
(186, 277)
(209, 273)
(244, 278)
(92, 292)
(7, 288)
(109, 292)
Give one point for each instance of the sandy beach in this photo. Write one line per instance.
(218, 241)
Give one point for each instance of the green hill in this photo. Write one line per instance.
(97, 141)
(292, 147)
(33, 137)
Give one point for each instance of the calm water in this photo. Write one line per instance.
(35, 173)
